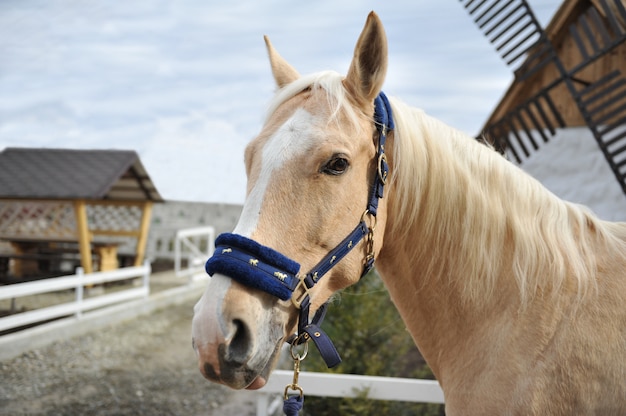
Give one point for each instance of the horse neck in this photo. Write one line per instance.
(451, 205)
(453, 238)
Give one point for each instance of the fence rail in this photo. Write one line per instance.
(80, 304)
(350, 385)
(196, 246)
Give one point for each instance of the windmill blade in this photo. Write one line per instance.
(603, 105)
(524, 128)
(602, 102)
(513, 29)
(598, 31)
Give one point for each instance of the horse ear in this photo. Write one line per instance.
(282, 71)
(367, 71)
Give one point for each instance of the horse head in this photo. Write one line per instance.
(310, 173)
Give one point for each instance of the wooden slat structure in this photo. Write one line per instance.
(93, 199)
(571, 74)
(590, 17)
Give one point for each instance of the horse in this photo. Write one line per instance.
(514, 297)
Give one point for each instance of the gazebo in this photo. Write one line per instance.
(89, 202)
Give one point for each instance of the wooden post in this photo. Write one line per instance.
(22, 267)
(142, 239)
(84, 237)
(108, 256)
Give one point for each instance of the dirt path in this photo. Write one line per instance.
(145, 366)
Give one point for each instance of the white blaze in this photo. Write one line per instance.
(291, 139)
(210, 326)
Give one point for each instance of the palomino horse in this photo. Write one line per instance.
(515, 298)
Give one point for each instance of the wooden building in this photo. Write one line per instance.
(58, 202)
(573, 75)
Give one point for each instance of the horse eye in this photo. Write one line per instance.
(336, 166)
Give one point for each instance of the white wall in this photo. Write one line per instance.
(171, 216)
(572, 166)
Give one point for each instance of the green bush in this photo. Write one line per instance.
(372, 340)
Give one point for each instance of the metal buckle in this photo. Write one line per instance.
(382, 173)
(297, 357)
(298, 302)
(369, 239)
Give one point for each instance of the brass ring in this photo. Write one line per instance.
(305, 349)
(294, 388)
(382, 158)
(365, 213)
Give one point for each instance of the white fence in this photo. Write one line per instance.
(195, 245)
(80, 303)
(348, 385)
(171, 216)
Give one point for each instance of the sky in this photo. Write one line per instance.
(185, 83)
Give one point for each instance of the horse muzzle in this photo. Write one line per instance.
(236, 336)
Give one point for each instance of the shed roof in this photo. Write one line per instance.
(41, 173)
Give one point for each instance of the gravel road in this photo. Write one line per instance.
(144, 366)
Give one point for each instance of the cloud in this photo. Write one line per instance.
(196, 158)
(186, 83)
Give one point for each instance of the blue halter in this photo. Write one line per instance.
(265, 269)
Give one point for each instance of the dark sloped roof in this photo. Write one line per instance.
(27, 173)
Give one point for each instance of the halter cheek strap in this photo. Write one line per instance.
(384, 123)
(265, 269)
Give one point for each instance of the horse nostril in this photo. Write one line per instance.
(239, 346)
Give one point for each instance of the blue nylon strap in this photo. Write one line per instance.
(254, 265)
(303, 318)
(384, 123)
(322, 341)
(369, 265)
(293, 405)
(336, 254)
(382, 113)
(324, 345)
